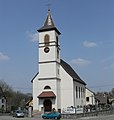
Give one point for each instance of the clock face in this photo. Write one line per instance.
(46, 49)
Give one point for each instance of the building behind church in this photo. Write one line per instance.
(56, 85)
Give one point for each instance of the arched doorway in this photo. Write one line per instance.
(47, 105)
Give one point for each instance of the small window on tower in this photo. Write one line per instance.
(57, 42)
(47, 87)
(46, 40)
(58, 71)
(57, 53)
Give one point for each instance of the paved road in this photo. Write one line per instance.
(111, 117)
(13, 118)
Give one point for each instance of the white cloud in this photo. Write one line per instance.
(80, 62)
(3, 57)
(89, 44)
(32, 36)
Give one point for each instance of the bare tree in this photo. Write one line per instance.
(5, 90)
(14, 99)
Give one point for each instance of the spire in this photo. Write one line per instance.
(48, 24)
(49, 21)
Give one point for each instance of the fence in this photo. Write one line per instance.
(88, 114)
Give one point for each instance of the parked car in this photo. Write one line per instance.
(52, 115)
(18, 113)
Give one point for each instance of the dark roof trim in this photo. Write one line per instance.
(34, 77)
(49, 62)
(51, 78)
(43, 29)
(79, 80)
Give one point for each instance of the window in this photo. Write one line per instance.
(87, 99)
(2, 106)
(46, 40)
(58, 71)
(76, 92)
(47, 87)
(79, 92)
(83, 92)
(2, 100)
(78, 106)
(57, 41)
(57, 44)
(57, 53)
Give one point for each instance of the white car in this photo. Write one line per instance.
(18, 113)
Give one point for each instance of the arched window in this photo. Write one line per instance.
(47, 87)
(46, 40)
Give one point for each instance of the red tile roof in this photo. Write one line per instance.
(47, 94)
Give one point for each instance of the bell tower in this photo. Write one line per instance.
(49, 63)
(49, 50)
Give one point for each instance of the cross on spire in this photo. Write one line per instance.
(49, 4)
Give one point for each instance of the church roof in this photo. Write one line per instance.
(48, 24)
(71, 72)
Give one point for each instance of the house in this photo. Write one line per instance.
(90, 97)
(103, 100)
(56, 85)
(91, 101)
(29, 103)
(2, 103)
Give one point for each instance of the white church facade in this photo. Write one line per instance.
(56, 85)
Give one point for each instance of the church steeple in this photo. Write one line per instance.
(48, 24)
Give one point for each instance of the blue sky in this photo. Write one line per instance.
(87, 40)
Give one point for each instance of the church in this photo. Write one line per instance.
(56, 85)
